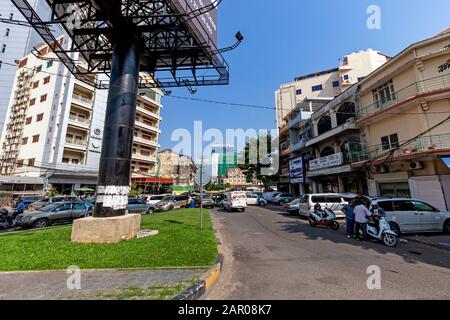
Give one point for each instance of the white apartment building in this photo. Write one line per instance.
(16, 41)
(55, 126)
(328, 83)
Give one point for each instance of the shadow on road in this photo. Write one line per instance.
(410, 252)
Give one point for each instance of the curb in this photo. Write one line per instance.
(434, 245)
(202, 286)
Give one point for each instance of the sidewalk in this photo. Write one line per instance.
(97, 284)
(441, 241)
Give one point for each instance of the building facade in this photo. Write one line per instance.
(236, 178)
(179, 168)
(55, 124)
(402, 111)
(16, 41)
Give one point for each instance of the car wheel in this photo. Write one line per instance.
(150, 211)
(447, 227)
(395, 227)
(171, 208)
(40, 223)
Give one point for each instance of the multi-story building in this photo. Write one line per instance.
(55, 126)
(297, 101)
(237, 178)
(16, 41)
(219, 156)
(403, 111)
(181, 169)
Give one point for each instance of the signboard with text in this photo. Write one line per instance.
(333, 160)
(296, 170)
(204, 24)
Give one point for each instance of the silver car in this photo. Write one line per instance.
(411, 216)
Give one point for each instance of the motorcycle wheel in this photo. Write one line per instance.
(312, 223)
(334, 225)
(389, 240)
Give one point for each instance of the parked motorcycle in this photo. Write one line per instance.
(380, 230)
(326, 218)
(6, 220)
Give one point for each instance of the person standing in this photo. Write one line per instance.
(361, 214)
(348, 209)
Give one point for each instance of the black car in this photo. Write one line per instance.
(207, 200)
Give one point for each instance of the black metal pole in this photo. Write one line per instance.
(114, 175)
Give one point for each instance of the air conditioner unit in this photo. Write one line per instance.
(416, 165)
(382, 169)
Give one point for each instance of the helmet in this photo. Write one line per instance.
(317, 206)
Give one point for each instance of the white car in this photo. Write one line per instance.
(252, 200)
(235, 200)
(410, 215)
(154, 199)
(333, 201)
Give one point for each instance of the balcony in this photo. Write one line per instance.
(76, 144)
(148, 113)
(416, 148)
(147, 127)
(405, 95)
(349, 125)
(294, 122)
(142, 158)
(146, 142)
(82, 101)
(79, 122)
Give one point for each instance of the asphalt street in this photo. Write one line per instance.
(272, 256)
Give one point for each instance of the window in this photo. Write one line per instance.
(424, 207)
(384, 94)
(386, 205)
(24, 141)
(361, 78)
(49, 64)
(38, 69)
(317, 88)
(31, 162)
(1, 64)
(43, 98)
(75, 161)
(11, 16)
(35, 84)
(36, 138)
(47, 80)
(3, 48)
(28, 120)
(298, 91)
(346, 77)
(39, 117)
(7, 32)
(65, 160)
(79, 206)
(32, 102)
(404, 206)
(390, 142)
(336, 84)
(20, 164)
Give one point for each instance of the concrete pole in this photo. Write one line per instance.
(115, 162)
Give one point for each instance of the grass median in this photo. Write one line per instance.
(180, 243)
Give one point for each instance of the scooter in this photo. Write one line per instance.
(326, 218)
(383, 232)
(6, 221)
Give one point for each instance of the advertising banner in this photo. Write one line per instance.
(297, 170)
(333, 160)
(205, 24)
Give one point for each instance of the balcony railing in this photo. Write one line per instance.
(411, 91)
(414, 147)
(82, 99)
(76, 142)
(82, 121)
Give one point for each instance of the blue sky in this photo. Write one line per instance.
(288, 38)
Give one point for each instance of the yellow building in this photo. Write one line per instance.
(401, 111)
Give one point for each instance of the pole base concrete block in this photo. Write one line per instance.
(106, 230)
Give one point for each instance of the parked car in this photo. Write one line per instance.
(208, 201)
(235, 200)
(410, 215)
(48, 200)
(170, 203)
(252, 200)
(29, 200)
(283, 198)
(293, 207)
(154, 199)
(135, 205)
(54, 213)
(269, 196)
(332, 201)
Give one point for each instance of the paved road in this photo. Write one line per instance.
(270, 256)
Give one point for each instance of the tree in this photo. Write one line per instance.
(257, 154)
(135, 192)
(52, 192)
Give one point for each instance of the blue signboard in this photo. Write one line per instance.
(446, 161)
(297, 170)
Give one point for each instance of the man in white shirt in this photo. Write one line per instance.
(361, 214)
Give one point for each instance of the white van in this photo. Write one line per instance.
(332, 201)
(235, 200)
